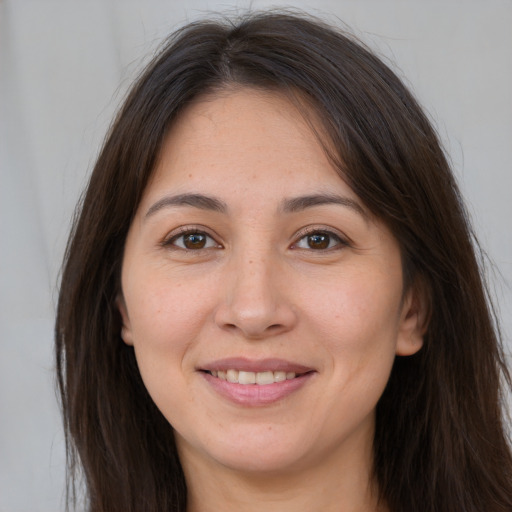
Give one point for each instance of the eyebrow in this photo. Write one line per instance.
(297, 204)
(291, 205)
(195, 200)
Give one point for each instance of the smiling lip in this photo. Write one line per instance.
(253, 395)
(262, 365)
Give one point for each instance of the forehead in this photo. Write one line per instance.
(241, 138)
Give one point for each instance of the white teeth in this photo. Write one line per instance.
(246, 377)
(232, 375)
(264, 378)
(261, 378)
(280, 376)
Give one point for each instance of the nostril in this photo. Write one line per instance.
(271, 329)
(255, 316)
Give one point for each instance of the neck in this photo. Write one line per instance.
(333, 484)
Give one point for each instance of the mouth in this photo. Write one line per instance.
(246, 378)
(252, 383)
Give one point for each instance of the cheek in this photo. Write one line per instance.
(357, 323)
(361, 343)
(165, 324)
(360, 309)
(165, 321)
(164, 313)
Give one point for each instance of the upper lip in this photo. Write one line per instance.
(253, 365)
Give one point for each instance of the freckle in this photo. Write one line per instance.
(190, 175)
(250, 261)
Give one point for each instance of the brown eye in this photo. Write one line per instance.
(320, 241)
(194, 240)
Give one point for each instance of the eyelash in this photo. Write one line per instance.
(170, 242)
(210, 243)
(339, 241)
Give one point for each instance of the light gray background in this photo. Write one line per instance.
(64, 66)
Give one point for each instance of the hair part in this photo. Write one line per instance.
(440, 442)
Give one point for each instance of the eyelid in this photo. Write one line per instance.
(344, 241)
(185, 230)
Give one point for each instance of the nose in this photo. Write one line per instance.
(255, 302)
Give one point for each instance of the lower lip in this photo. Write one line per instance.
(254, 395)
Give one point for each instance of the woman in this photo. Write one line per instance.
(271, 297)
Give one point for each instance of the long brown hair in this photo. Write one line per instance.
(440, 443)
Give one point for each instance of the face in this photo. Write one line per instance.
(264, 303)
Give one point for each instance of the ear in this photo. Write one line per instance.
(126, 331)
(414, 318)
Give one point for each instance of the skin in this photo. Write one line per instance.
(263, 287)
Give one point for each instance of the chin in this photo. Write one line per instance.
(262, 462)
(254, 450)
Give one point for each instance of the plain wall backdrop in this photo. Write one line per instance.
(64, 67)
